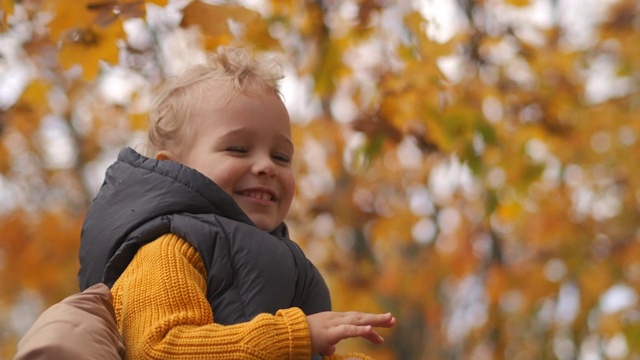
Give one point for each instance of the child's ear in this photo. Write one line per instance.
(165, 155)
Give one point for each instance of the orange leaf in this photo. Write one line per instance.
(6, 9)
(5, 160)
(6, 6)
(87, 46)
(138, 121)
(212, 19)
(25, 115)
(509, 211)
(158, 2)
(518, 3)
(71, 15)
(107, 11)
(257, 32)
(83, 43)
(610, 324)
(396, 229)
(35, 93)
(68, 15)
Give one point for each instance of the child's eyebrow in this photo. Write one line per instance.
(242, 131)
(288, 143)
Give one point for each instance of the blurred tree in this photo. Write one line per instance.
(467, 165)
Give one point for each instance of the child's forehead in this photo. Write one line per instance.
(225, 101)
(226, 90)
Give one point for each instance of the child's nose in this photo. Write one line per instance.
(264, 165)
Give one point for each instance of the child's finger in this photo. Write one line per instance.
(373, 336)
(376, 320)
(344, 331)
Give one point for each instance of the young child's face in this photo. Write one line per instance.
(245, 147)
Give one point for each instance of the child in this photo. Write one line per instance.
(193, 242)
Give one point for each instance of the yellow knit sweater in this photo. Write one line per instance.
(162, 313)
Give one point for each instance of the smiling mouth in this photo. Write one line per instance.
(260, 195)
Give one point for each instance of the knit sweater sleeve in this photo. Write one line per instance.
(162, 312)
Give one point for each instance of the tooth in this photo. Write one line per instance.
(259, 195)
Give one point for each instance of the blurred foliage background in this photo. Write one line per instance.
(469, 165)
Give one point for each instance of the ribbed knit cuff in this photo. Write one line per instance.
(299, 336)
(347, 356)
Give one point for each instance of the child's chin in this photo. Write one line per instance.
(264, 225)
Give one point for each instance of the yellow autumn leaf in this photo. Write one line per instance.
(5, 159)
(436, 133)
(211, 42)
(6, 6)
(105, 12)
(35, 93)
(257, 32)
(518, 3)
(535, 275)
(610, 324)
(630, 256)
(594, 280)
(396, 229)
(496, 283)
(388, 281)
(138, 121)
(329, 67)
(87, 46)
(414, 21)
(430, 50)
(158, 2)
(68, 15)
(402, 107)
(82, 42)
(509, 211)
(25, 115)
(6, 9)
(309, 22)
(214, 19)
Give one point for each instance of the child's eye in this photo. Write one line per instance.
(236, 149)
(282, 158)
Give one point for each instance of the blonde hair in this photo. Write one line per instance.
(228, 72)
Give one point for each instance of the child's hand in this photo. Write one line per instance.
(329, 328)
